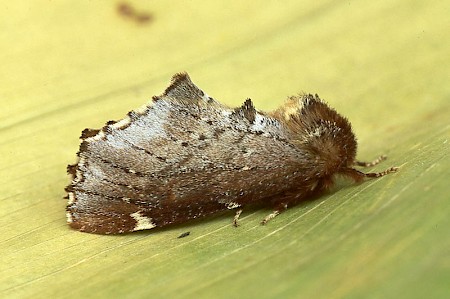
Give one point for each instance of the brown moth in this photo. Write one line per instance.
(187, 156)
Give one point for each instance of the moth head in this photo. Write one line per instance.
(325, 135)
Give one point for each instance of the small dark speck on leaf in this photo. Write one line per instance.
(183, 235)
(129, 12)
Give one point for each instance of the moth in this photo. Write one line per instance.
(187, 156)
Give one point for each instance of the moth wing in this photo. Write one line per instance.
(183, 90)
(183, 157)
(118, 166)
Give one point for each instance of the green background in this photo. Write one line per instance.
(67, 65)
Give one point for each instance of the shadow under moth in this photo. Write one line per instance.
(187, 156)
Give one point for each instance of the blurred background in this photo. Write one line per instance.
(68, 65)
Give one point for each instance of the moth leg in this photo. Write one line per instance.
(372, 163)
(358, 176)
(382, 173)
(236, 218)
(270, 217)
(274, 214)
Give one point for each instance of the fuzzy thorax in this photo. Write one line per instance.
(326, 135)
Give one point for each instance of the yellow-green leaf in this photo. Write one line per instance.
(67, 65)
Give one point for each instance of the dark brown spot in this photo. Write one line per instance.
(144, 18)
(133, 115)
(183, 235)
(72, 169)
(129, 12)
(218, 132)
(247, 110)
(89, 133)
(125, 10)
(107, 129)
(83, 147)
